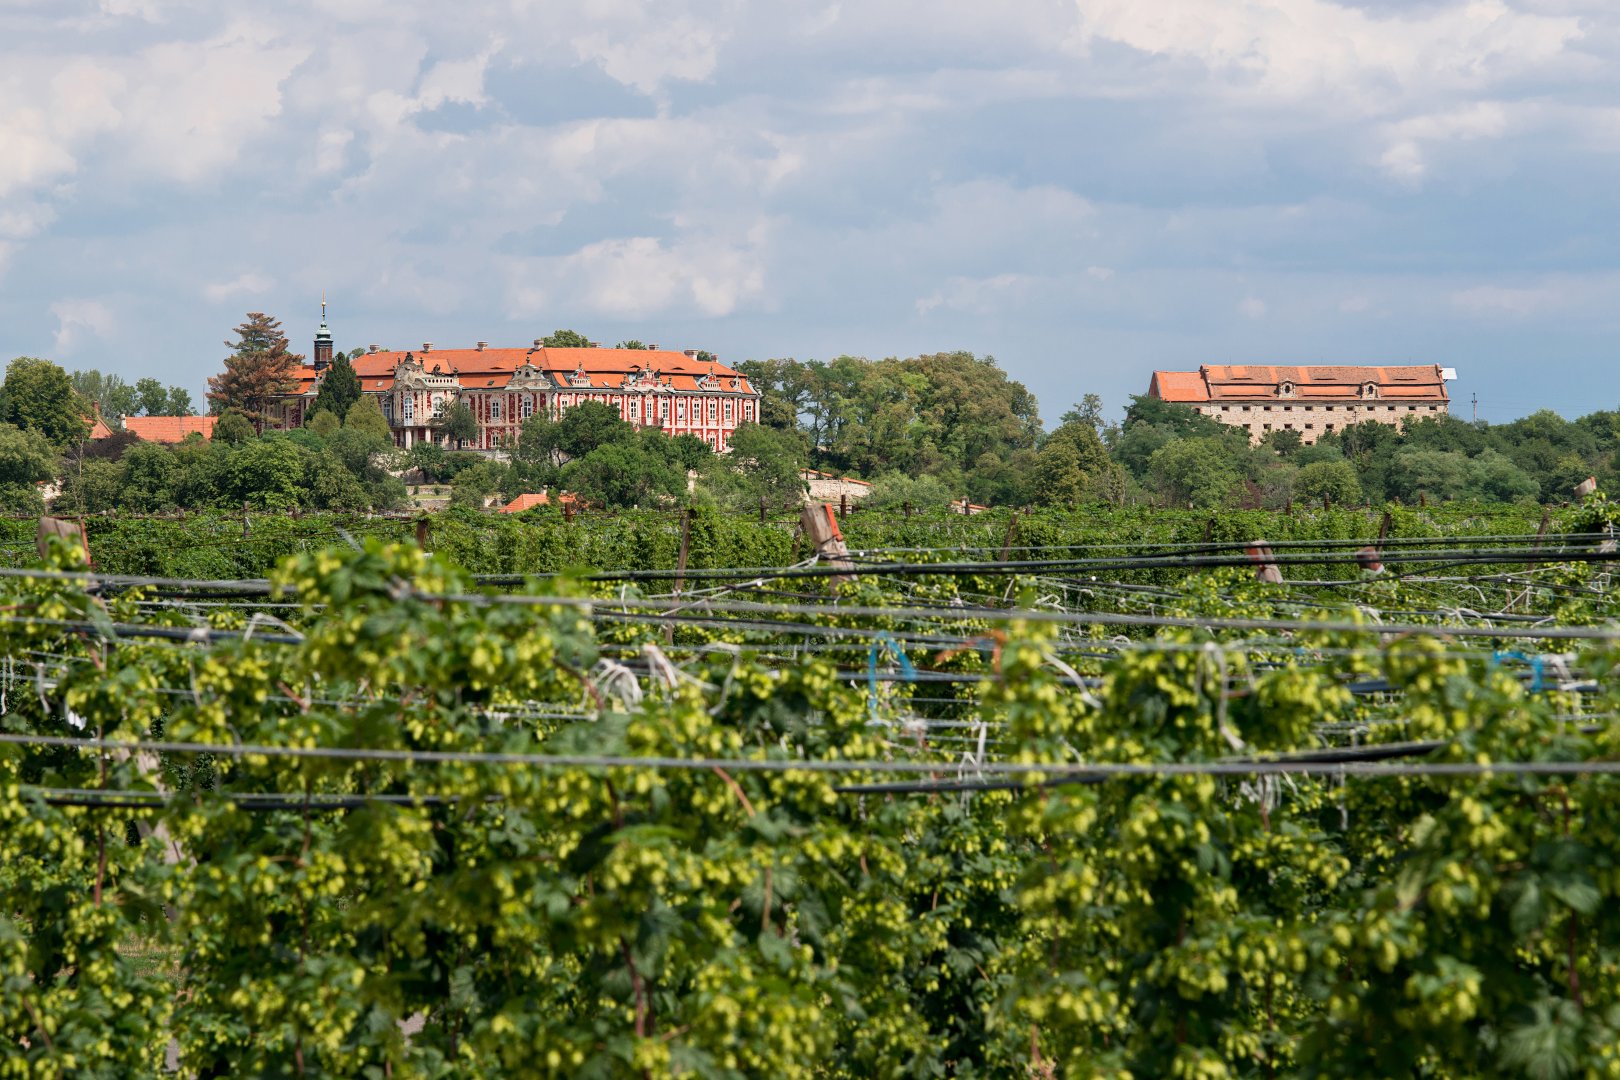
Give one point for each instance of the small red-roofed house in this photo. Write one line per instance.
(530, 500)
(170, 429)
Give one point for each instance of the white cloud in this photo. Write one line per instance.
(1252, 307)
(681, 49)
(77, 319)
(1344, 56)
(638, 277)
(1405, 158)
(247, 284)
(1512, 301)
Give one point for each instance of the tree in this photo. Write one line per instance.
(457, 422)
(764, 463)
(366, 415)
(1335, 480)
(1284, 442)
(1088, 411)
(1199, 471)
(339, 388)
(233, 429)
(591, 425)
(114, 397)
(38, 396)
(260, 369)
(154, 400)
(565, 339)
(631, 344)
(26, 459)
(324, 423)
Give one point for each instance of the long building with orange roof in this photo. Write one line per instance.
(675, 392)
(1310, 399)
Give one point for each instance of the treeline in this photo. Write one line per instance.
(932, 429)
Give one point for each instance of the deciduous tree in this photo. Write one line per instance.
(38, 396)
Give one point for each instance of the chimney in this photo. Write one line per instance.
(537, 343)
(427, 346)
(691, 353)
(482, 345)
(652, 346)
(594, 344)
(373, 348)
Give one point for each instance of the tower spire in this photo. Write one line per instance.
(323, 339)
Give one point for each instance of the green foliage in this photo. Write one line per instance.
(457, 422)
(576, 920)
(324, 423)
(110, 394)
(1199, 472)
(1334, 480)
(941, 414)
(233, 429)
(38, 396)
(339, 388)
(366, 415)
(565, 339)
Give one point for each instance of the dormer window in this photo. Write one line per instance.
(1369, 390)
(1285, 389)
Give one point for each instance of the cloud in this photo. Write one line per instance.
(641, 276)
(246, 284)
(78, 319)
(1252, 307)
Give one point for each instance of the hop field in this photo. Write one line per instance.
(1056, 795)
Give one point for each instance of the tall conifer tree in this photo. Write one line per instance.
(340, 388)
(261, 368)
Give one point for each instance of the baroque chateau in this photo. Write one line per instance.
(1312, 399)
(675, 392)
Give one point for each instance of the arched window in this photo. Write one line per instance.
(1369, 390)
(1285, 389)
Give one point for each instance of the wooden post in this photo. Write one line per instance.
(762, 509)
(1423, 498)
(686, 540)
(70, 531)
(1264, 568)
(1209, 530)
(843, 505)
(1012, 531)
(422, 533)
(821, 526)
(568, 511)
(907, 507)
(1383, 527)
(247, 524)
(1327, 501)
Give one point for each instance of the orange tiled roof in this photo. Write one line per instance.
(99, 428)
(1319, 382)
(481, 369)
(530, 501)
(526, 502)
(170, 429)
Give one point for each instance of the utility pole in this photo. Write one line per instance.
(1476, 408)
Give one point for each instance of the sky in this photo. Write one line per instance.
(1085, 190)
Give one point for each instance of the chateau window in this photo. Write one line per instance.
(526, 408)
(714, 410)
(748, 410)
(410, 406)
(494, 408)
(680, 409)
(728, 410)
(635, 409)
